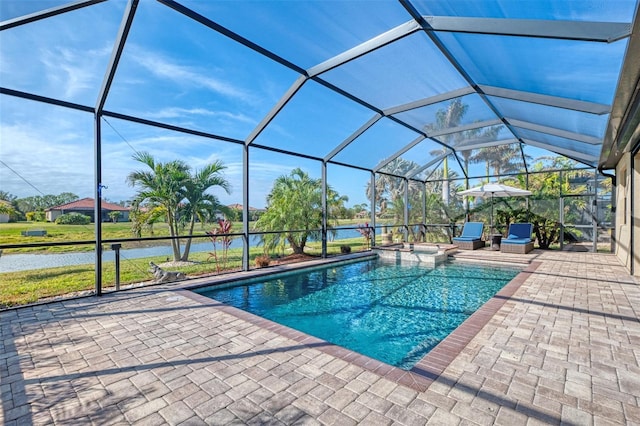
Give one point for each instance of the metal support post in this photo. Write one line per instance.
(116, 248)
(324, 210)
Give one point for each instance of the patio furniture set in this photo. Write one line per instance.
(518, 238)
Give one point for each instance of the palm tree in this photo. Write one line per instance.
(501, 158)
(446, 118)
(388, 187)
(145, 217)
(295, 204)
(166, 185)
(202, 205)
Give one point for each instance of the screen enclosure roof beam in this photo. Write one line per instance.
(368, 46)
(590, 159)
(555, 131)
(484, 144)
(554, 101)
(353, 137)
(470, 126)
(427, 165)
(116, 53)
(430, 100)
(605, 32)
(399, 153)
(21, 20)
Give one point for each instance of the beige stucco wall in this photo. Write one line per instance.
(623, 193)
(52, 215)
(635, 220)
(628, 179)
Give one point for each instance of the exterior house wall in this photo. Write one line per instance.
(4, 218)
(52, 215)
(124, 216)
(635, 219)
(627, 211)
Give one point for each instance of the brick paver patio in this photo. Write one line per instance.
(562, 348)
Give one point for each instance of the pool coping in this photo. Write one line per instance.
(425, 372)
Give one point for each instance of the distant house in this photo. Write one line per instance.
(253, 212)
(85, 206)
(4, 217)
(239, 207)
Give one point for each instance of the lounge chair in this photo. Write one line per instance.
(471, 237)
(518, 240)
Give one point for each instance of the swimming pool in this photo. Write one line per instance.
(395, 313)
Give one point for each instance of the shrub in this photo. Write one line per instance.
(344, 249)
(35, 216)
(73, 219)
(262, 261)
(114, 216)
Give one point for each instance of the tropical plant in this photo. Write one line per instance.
(221, 233)
(545, 229)
(114, 216)
(7, 208)
(170, 189)
(143, 217)
(201, 205)
(547, 188)
(38, 216)
(294, 206)
(447, 118)
(73, 219)
(262, 261)
(389, 187)
(501, 159)
(7, 196)
(366, 231)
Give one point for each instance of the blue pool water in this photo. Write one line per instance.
(391, 312)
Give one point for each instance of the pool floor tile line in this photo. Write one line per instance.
(562, 348)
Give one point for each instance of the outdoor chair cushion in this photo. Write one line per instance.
(517, 240)
(472, 230)
(519, 233)
(471, 238)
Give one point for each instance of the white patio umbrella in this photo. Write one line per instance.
(495, 190)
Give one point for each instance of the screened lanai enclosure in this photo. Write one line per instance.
(227, 131)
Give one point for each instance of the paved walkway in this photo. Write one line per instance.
(564, 348)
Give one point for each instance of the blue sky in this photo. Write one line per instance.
(179, 72)
(172, 71)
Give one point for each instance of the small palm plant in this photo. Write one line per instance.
(366, 231)
(221, 233)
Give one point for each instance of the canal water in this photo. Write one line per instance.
(25, 262)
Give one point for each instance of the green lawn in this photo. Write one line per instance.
(23, 287)
(10, 233)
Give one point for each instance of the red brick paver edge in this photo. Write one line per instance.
(427, 370)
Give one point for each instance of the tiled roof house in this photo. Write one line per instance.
(85, 206)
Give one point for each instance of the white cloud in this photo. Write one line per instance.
(176, 112)
(65, 70)
(164, 68)
(51, 167)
